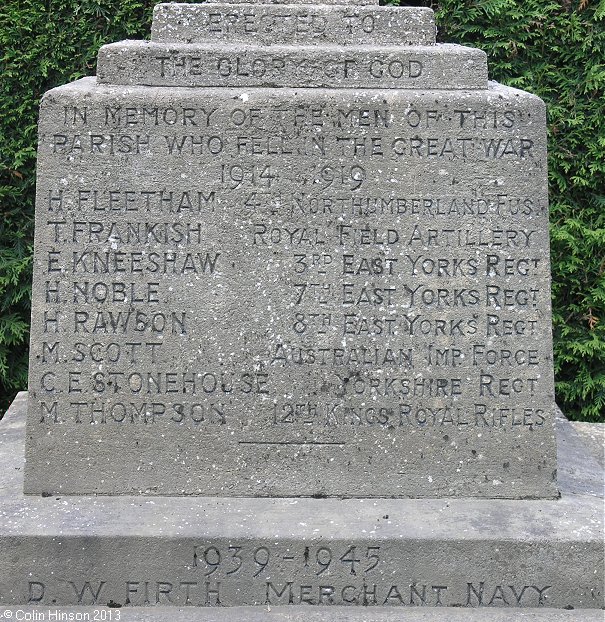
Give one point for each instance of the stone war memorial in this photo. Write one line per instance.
(291, 334)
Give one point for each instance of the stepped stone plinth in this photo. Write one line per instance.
(291, 331)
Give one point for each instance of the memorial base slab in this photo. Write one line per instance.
(388, 555)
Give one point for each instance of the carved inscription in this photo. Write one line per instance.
(295, 275)
(293, 25)
(186, 65)
(208, 593)
(225, 573)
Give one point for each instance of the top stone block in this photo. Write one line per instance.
(272, 24)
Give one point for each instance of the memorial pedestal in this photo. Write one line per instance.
(278, 256)
(290, 323)
(133, 551)
(291, 333)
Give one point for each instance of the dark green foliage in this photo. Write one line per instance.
(555, 49)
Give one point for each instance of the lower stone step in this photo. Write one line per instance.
(452, 559)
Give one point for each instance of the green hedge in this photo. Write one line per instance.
(555, 49)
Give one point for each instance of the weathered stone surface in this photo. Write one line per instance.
(444, 66)
(576, 474)
(291, 291)
(592, 435)
(481, 553)
(300, 25)
(279, 292)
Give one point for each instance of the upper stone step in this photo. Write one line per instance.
(444, 66)
(301, 24)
